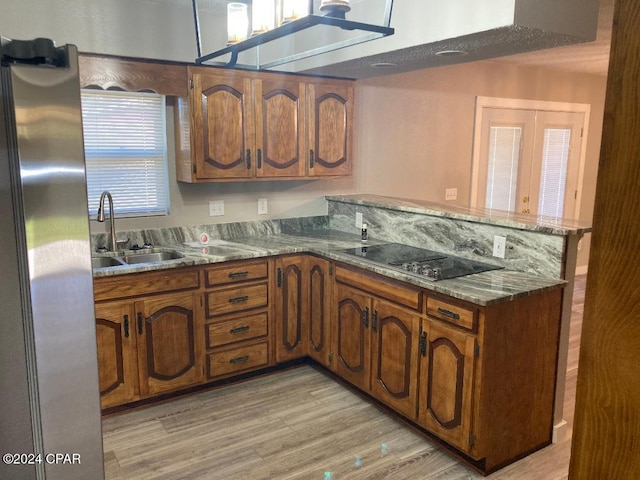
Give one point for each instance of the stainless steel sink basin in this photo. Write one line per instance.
(99, 262)
(134, 258)
(153, 257)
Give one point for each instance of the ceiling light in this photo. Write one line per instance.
(263, 16)
(451, 53)
(276, 25)
(237, 22)
(383, 65)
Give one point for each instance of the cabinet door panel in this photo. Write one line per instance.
(170, 356)
(319, 310)
(330, 125)
(353, 338)
(291, 308)
(117, 360)
(395, 357)
(223, 126)
(447, 376)
(280, 113)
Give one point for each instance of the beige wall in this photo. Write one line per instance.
(414, 131)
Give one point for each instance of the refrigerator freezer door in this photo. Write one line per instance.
(51, 265)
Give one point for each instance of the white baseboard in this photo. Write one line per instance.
(560, 431)
(582, 270)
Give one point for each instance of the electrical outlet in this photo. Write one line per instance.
(358, 220)
(451, 194)
(262, 206)
(499, 246)
(216, 208)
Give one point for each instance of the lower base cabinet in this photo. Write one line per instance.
(479, 378)
(148, 346)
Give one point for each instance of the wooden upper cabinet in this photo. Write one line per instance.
(222, 113)
(262, 126)
(280, 131)
(330, 128)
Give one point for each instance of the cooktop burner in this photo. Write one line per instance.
(426, 264)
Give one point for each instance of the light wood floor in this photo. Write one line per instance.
(299, 424)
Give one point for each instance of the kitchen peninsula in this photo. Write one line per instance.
(450, 357)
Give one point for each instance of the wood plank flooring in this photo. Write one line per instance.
(299, 424)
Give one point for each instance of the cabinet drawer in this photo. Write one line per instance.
(237, 359)
(134, 284)
(450, 313)
(236, 272)
(242, 328)
(236, 299)
(381, 287)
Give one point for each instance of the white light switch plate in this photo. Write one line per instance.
(216, 208)
(358, 220)
(262, 206)
(499, 246)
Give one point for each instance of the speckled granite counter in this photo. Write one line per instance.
(483, 288)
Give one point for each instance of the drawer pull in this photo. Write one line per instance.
(238, 274)
(241, 359)
(241, 329)
(448, 313)
(241, 299)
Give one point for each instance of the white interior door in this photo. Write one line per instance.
(529, 161)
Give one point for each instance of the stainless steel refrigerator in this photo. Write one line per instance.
(49, 400)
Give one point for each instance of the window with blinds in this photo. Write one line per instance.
(502, 169)
(126, 151)
(553, 176)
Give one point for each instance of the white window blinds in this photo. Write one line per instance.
(502, 172)
(126, 151)
(553, 177)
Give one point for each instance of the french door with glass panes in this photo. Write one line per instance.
(529, 161)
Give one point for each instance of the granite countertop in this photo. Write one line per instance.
(482, 288)
(549, 225)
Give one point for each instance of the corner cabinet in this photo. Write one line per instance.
(239, 126)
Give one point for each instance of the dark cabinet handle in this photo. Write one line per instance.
(248, 158)
(139, 323)
(241, 299)
(448, 313)
(241, 359)
(126, 326)
(312, 159)
(423, 344)
(238, 274)
(374, 321)
(279, 277)
(259, 158)
(241, 329)
(365, 317)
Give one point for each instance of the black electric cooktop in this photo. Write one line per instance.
(424, 263)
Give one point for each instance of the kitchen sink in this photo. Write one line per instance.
(100, 262)
(134, 258)
(153, 257)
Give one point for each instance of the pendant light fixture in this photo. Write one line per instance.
(335, 8)
(263, 16)
(294, 9)
(237, 22)
(274, 20)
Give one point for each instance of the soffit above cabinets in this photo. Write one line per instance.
(470, 29)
